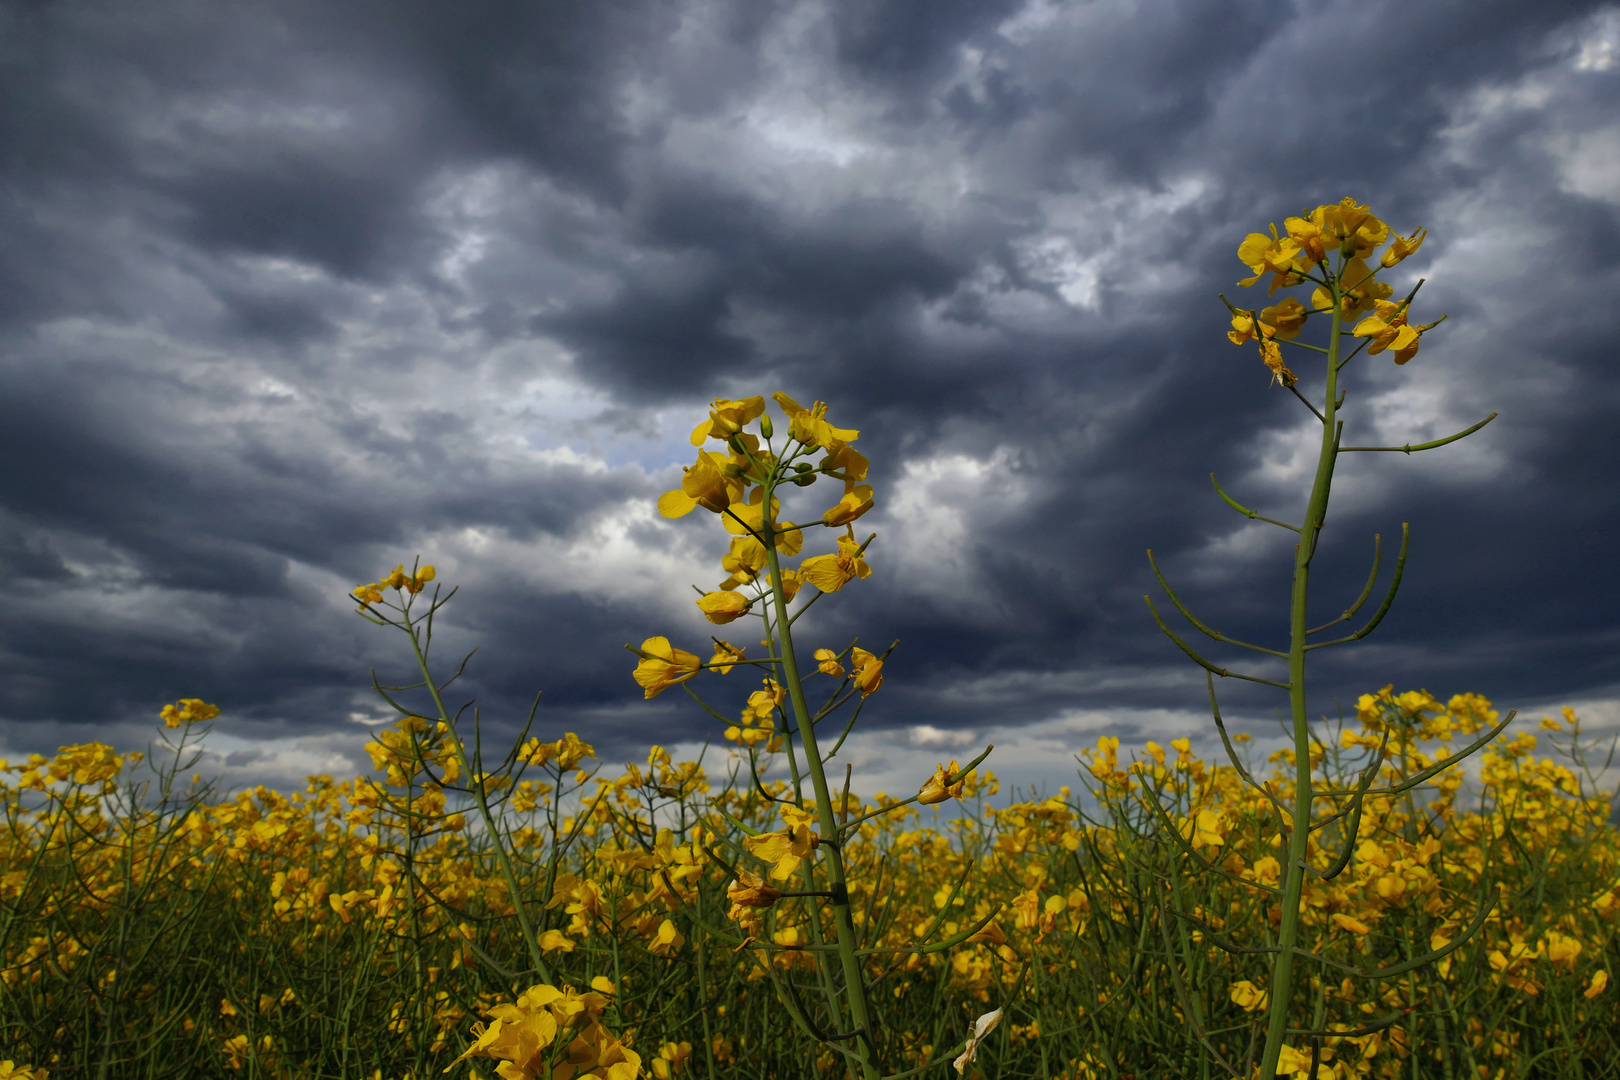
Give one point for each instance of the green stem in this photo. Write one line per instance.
(476, 786)
(1282, 972)
(843, 919)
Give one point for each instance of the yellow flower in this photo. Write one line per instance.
(1600, 979)
(707, 483)
(829, 573)
(722, 607)
(1362, 291)
(1248, 997)
(1308, 235)
(671, 1059)
(553, 940)
(810, 426)
(1403, 246)
(1348, 223)
(1562, 949)
(944, 784)
(762, 704)
(844, 462)
(1389, 330)
(785, 850)
(725, 657)
(827, 663)
(1293, 1061)
(662, 666)
(1288, 317)
(1262, 253)
(856, 501)
(1355, 926)
(727, 417)
(667, 940)
(1245, 327)
(868, 671)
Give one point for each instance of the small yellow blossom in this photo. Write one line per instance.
(829, 573)
(726, 656)
(827, 663)
(723, 607)
(188, 711)
(662, 666)
(1403, 247)
(1248, 997)
(868, 670)
(727, 417)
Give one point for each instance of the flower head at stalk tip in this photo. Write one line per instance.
(810, 426)
(188, 711)
(785, 850)
(827, 663)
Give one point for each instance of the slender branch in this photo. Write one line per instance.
(1389, 598)
(1200, 661)
(1244, 510)
(1411, 448)
(1307, 400)
(1372, 579)
(1216, 634)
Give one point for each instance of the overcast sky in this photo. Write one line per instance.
(291, 292)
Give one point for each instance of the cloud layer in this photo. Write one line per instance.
(291, 293)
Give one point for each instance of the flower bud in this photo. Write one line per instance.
(765, 428)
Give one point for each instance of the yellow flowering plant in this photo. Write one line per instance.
(744, 484)
(1327, 249)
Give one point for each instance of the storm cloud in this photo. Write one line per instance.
(293, 292)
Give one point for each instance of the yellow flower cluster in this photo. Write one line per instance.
(555, 1035)
(396, 579)
(187, 711)
(1329, 248)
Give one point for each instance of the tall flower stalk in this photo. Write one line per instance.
(743, 486)
(1327, 248)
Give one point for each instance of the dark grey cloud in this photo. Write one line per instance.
(293, 292)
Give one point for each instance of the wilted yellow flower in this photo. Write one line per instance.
(662, 666)
(944, 784)
(749, 891)
(983, 1026)
(1245, 327)
(1288, 317)
(723, 607)
(727, 417)
(1271, 356)
(829, 573)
